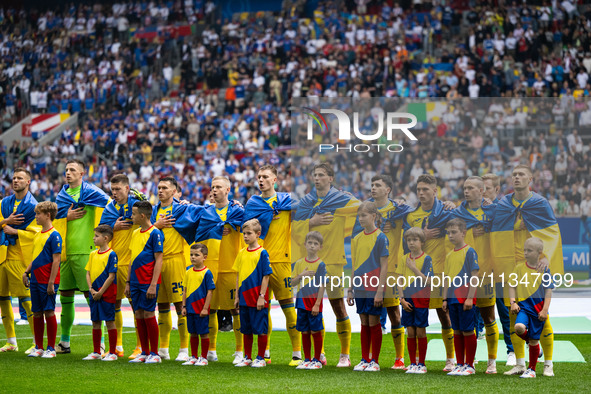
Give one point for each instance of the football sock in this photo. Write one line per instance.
(195, 346)
(165, 326)
(492, 339)
(142, 331)
(183, 333)
(547, 340)
(447, 334)
(26, 303)
(213, 330)
(237, 333)
(344, 334)
(262, 342)
(67, 317)
(318, 342)
(7, 316)
(247, 345)
(398, 336)
(470, 345)
(307, 345)
(51, 330)
(39, 327)
(534, 353)
(412, 349)
(323, 335)
(118, 327)
(152, 328)
(459, 345)
(365, 342)
(376, 342)
(290, 323)
(112, 340)
(422, 349)
(518, 343)
(269, 331)
(97, 333)
(204, 347)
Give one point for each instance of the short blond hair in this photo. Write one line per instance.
(494, 178)
(222, 178)
(536, 243)
(253, 224)
(415, 232)
(48, 208)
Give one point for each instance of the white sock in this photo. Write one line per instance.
(214, 352)
(548, 362)
(65, 344)
(267, 354)
(184, 350)
(297, 354)
(163, 350)
(240, 354)
(12, 341)
(344, 355)
(520, 362)
(119, 348)
(492, 360)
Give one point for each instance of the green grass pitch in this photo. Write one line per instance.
(68, 373)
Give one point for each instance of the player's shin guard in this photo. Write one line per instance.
(213, 330)
(118, 327)
(7, 316)
(165, 326)
(307, 345)
(547, 341)
(318, 344)
(344, 333)
(248, 338)
(492, 339)
(459, 345)
(39, 327)
(112, 340)
(142, 333)
(518, 343)
(26, 303)
(195, 346)
(447, 334)
(204, 347)
(67, 317)
(398, 337)
(152, 327)
(422, 349)
(534, 353)
(365, 342)
(262, 345)
(376, 342)
(290, 323)
(470, 345)
(412, 349)
(237, 333)
(183, 333)
(51, 330)
(97, 333)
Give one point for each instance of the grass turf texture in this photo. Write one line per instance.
(68, 373)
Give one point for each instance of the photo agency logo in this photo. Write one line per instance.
(390, 121)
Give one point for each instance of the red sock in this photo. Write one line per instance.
(142, 331)
(153, 333)
(376, 342)
(204, 347)
(306, 345)
(195, 346)
(262, 342)
(422, 350)
(534, 353)
(411, 343)
(524, 336)
(470, 343)
(459, 345)
(97, 333)
(51, 330)
(317, 344)
(247, 339)
(112, 340)
(39, 329)
(365, 341)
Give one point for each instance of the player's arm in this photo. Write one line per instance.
(469, 303)
(89, 284)
(127, 290)
(236, 295)
(205, 310)
(316, 306)
(412, 265)
(151, 293)
(55, 267)
(514, 305)
(26, 275)
(295, 280)
(446, 284)
(264, 285)
(99, 294)
(543, 315)
(378, 300)
(14, 219)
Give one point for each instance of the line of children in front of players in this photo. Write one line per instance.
(308, 278)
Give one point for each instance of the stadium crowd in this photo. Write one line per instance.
(216, 101)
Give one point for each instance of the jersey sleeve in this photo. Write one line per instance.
(472, 260)
(112, 263)
(427, 266)
(548, 284)
(209, 285)
(56, 243)
(266, 264)
(157, 239)
(321, 273)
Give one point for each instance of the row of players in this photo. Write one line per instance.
(218, 226)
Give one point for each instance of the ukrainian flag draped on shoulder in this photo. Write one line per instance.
(438, 218)
(186, 217)
(397, 212)
(90, 195)
(258, 208)
(210, 226)
(463, 213)
(114, 211)
(540, 222)
(26, 230)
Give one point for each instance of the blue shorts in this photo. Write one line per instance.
(533, 324)
(40, 300)
(197, 324)
(101, 310)
(253, 321)
(139, 299)
(461, 320)
(419, 317)
(365, 307)
(306, 322)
